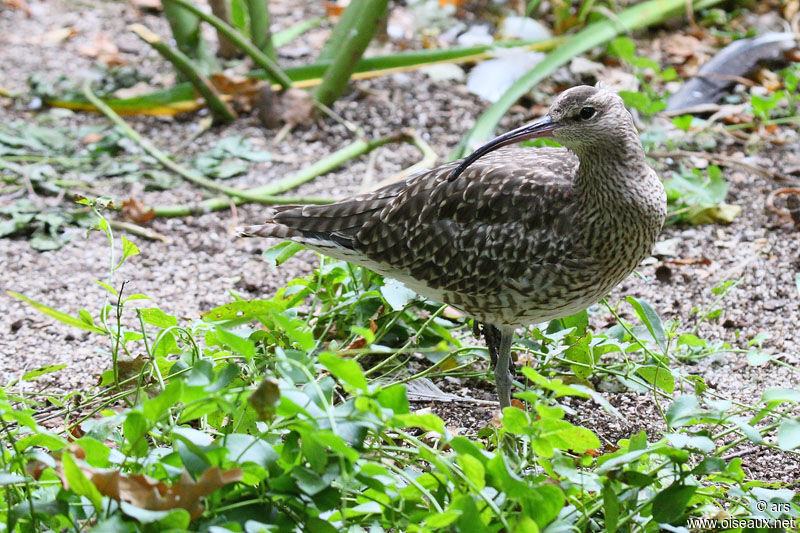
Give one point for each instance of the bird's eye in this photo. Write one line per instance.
(587, 112)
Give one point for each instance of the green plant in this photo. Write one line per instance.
(289, 414)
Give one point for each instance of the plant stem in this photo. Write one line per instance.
(272, 69)
(184, 65)
(260, 33)
(185, 27)
(360, 20)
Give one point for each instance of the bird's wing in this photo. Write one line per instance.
(507, 217)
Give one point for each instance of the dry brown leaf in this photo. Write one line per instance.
(147, 5)
(243, 91)
(334, 9)
(360, 342)
(265, 398)
(92, 138)
(136, 211)
(139, 89)
(104, 50)
(298, 106)
(680, 46)
(18, 4)
(143, 491)
(57, 35)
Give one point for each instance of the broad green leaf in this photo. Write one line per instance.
(346, 370)
(396, 294)
(658, 376)
(670, 503)
(79, 483)
(684, 409)
(789, 435)
(394, 398)
(443, 519)
(611, 506)
(279, 253)
(49, 369)
(473, 470)
(156, 317)
(239, 345)
(58, 315)
(650, 319)
(427, 422)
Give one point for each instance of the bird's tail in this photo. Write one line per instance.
(270, 228)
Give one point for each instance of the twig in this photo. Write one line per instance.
(722, 160)
(777, 192)
(137, 230)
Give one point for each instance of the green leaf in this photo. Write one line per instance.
(473, 470)
(789, 435)
(394, 398)
(279, 253)
(346, 370)
(427, 422)
(58, 315)
(658, 377)
(669, 504)
(239, 345)
(396, 294)
(443, 519)
(157, 317)
(780, 395)
(683, 410)
(582, 354)
(79, 483)
(610, 508)
(650, 319)
(128, 249)
(49, 369)
(544, 503)
(516, 421)
(157, 406)
(241, 311)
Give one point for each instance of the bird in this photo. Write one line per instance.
(510, 236)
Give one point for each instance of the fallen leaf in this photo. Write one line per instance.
(147, 5)
(242, 90)
(18, 4)
(680, 46)
(58, 35)
(104, 50)
(705, 214)
(334, 9)
(265, 398)
(92, 137)
(139, 89)
(143, 491)
(298, 106)
(136, 211)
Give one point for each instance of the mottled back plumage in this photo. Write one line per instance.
(512, 236)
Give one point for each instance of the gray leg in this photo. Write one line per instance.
(501, 348)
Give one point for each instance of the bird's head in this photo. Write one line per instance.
(580, 118)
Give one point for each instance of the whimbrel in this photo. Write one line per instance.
(511, 236)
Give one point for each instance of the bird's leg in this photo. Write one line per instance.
(492, 336)
(498, 341)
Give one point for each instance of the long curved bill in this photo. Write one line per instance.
(540, 128)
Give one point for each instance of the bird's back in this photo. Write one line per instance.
(501, 242)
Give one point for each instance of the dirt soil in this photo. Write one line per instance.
(204, 261)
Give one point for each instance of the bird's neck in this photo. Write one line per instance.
(613, 169)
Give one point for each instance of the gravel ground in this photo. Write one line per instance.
(204, 261)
